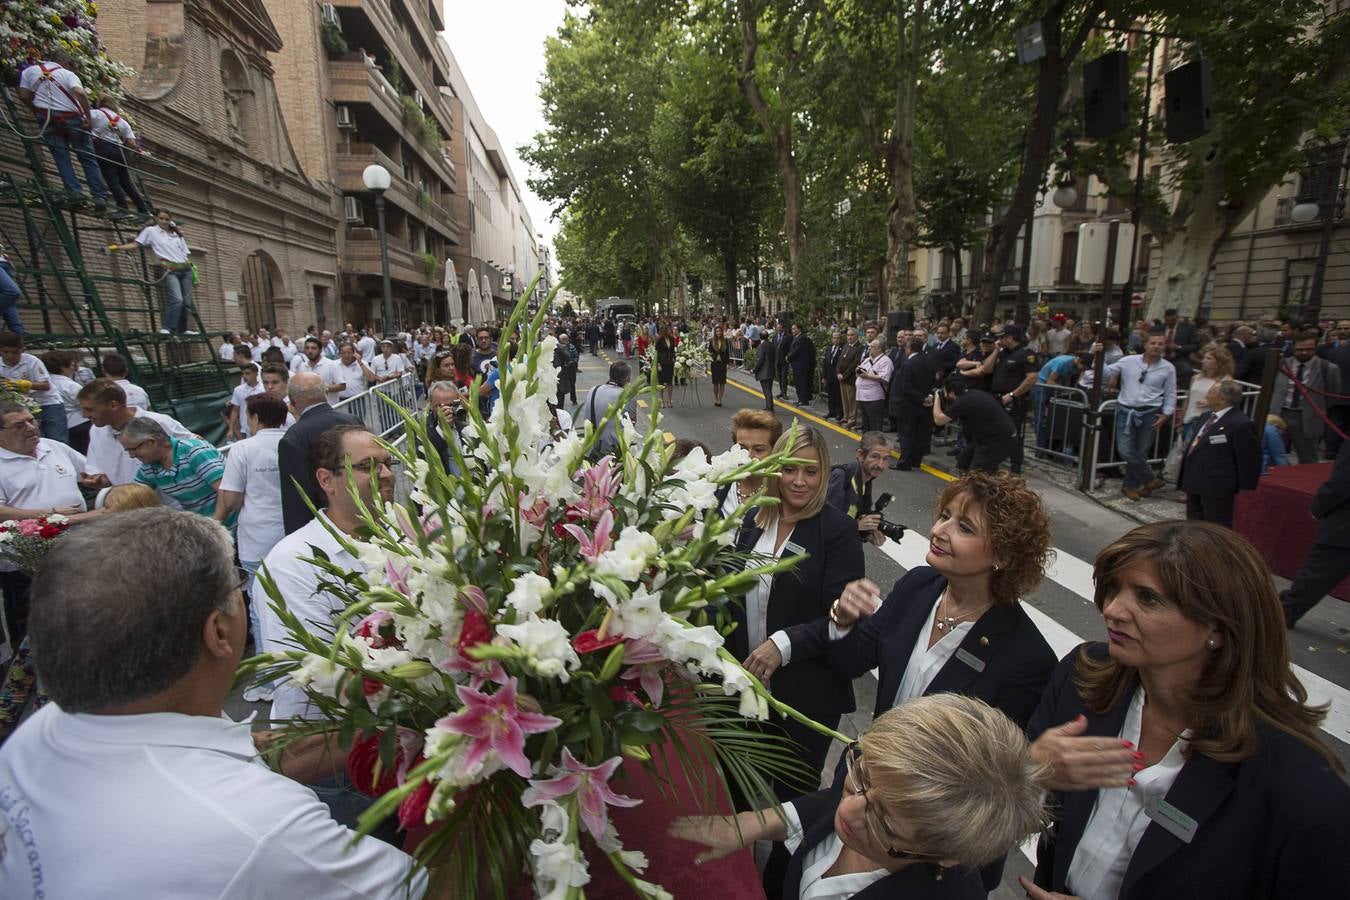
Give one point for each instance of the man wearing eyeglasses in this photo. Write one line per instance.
(186, 472)
(1148, 398)
(38, 477)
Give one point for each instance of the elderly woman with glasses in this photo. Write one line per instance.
(934, 790)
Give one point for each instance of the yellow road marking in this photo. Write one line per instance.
(642, 404)
(838, 429)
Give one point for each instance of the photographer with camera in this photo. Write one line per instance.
(986, 426)
(850, 487)
(445, 402)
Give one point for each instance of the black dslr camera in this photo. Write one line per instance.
(892, 530)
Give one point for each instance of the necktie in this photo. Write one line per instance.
(1297, 400)
(1201, 433)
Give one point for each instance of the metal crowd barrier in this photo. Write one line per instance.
(1063, 429)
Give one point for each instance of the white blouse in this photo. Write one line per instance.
(757, 599)
(1119, 818)
(814, 885)
(925, 661)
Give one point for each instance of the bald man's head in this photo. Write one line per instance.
(306, 389)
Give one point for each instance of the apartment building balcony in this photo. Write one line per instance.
(367, 24)
(362, 257)
(352, 160)
(355, 81)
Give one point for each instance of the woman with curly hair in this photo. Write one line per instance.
(1185, 758)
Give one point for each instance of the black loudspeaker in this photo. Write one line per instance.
(1106, 95)
(897, 319)
(1188, 110)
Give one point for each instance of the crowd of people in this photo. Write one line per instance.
(1143, 768)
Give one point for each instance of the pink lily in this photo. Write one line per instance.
(599, 485)
(473, 598)
(372, 626)
(397, 575)
(646, 664)
(536, 515)
(590, 784)
(592, 547)
(495, 724)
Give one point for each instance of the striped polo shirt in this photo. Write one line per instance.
(197, 466)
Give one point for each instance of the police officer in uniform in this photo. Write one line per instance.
(1012, 371)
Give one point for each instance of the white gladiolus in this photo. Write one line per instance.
(527, 593)
(628, 559)
(727, 462)
(318, 673)
(558, 867)
(638, 616)
(547, 645)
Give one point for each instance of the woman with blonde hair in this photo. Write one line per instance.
(825, 541)
(123, 497)
(1216, 364)
(933, 791)
(1184, 755)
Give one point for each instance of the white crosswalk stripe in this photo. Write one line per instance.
(1075, 575)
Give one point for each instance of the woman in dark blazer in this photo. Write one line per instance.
(934, 789)
(1184, 756)
(989, 545)
(830, 556)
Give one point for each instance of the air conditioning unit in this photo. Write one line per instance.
(328, 13)
(355, 215)
(417, 98)
(345, 118)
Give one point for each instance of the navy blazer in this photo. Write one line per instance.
(1274, 825)
(1003, 660)
(833, 556)
(291, 463)
(914, 882)
(1331, 506)
(1222, 469)
(911, 383)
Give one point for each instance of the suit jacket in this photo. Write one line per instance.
(1332, 503)
(944, 357)
(915, 882)
(1186, 338)
(291, 466)
(829, 372)
(784, 342)
(848, 363)
(1318, 374)
(765, 362)
(802, 356)
(1337, 354)
(1226, 460)
(910, 386)
(1271, 825)
(1010, 659)
(832, 557)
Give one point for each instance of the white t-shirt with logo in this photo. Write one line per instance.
(242, 392)
(30, 368)
(165, 245)
(353, 376)
(107, 457)
(324, 368)
(111, 127)
(251, 470)
(51, 92)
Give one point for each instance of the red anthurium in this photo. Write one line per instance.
(589, 641)
(412, 810)
(475, 630)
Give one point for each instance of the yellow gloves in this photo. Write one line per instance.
(22, 385)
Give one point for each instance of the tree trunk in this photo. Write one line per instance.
(1187, 249)
(900, 226)
(778, 129)
(956, 288)
(729, 267)
(1040, 139)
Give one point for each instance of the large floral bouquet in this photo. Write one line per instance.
(691, 358)
(30, 30)
(25, 542)
(525, 633)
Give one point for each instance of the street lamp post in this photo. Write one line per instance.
(377, 180)
(1324, 198)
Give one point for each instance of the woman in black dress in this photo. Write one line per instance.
(665, 366)
(719, 352)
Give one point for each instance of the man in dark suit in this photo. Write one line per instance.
(766, 363)
(1328, 560)
(1337, 352)
(911, 406)
(801, 358)
(1223, 458)
(1182, 341)
(782, 347)
(829, 377)
(944, 354)
(314, 416)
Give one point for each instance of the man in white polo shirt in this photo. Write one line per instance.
(249, 384)
(311, 360)
(135, 741)
(25, 373)
(366, 346)
(38, 477)
(353, 371)
(388, 365)
(115, 367)
(104, 403)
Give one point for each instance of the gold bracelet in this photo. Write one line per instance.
(834, 613)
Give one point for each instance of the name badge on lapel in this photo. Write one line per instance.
(791, 549)
(1172, 820)
(1218, 438)
(970, 659)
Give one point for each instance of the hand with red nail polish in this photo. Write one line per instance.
(1081, 762)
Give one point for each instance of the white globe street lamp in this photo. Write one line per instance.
(377, 180)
